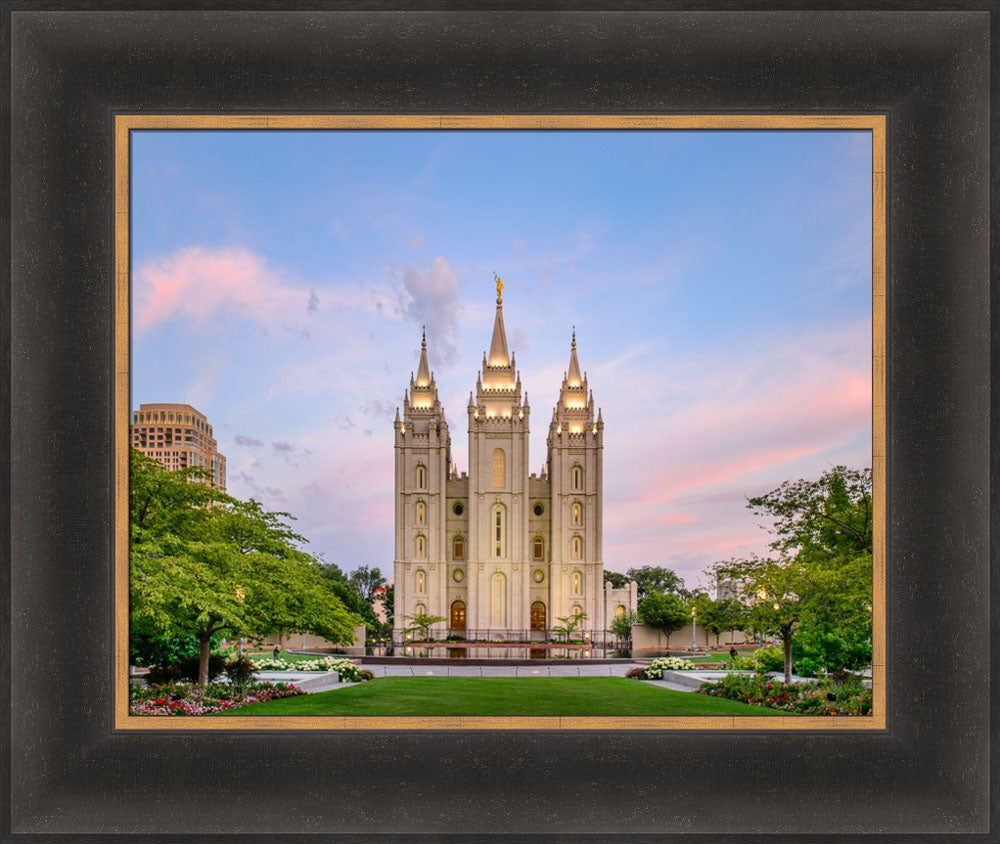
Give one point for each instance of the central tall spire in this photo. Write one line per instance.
(499, 356)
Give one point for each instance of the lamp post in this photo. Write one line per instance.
(694, 627)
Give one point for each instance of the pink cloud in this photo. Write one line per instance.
(197, 284)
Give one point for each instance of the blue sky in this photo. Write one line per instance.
(719, 282)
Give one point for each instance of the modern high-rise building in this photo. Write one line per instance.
(499, 551)
(178, 436)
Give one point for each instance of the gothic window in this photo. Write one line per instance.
(577, 548)
(421, 547)
(419, 609)
(619, 611)
(498, 529)
(577, 610)
(498, 600)
(458, 548)
(578, 478)
(538, 548)
(421, 513)
(421, 582)
(577, 583)
(577, 514)
(421, 477)
(499, 469)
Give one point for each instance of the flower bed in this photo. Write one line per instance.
(655, 669)
(823, 698)
(187, 699)
(347, 670)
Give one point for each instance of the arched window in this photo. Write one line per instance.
(538, 548)
(577, 610)
(421, 579)
(421, 547)
(578, 478)
(577, 548)
(420, 609)
(577, 583)
(498, 530)
(421, 513)
(620, 611)
(458, 547)
(498, 600)
(577, 514)
(499, 469)
(421, 477)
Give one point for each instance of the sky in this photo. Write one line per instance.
(719, 283)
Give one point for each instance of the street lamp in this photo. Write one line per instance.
(694, 627)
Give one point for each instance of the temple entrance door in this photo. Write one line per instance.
(458, 616)
(537, 616)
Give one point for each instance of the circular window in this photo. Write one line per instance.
(539, 509)
(459, 508)
(458, 575)
(538, 575)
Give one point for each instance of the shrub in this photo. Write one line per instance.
(189, 667)
(769, 658)
(240, 671)
(801, 698)
(636, 674)
(655, 669)
(346, 669)
(366, 674)
(160, 674)
(193, 700)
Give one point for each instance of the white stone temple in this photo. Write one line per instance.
(499, 553)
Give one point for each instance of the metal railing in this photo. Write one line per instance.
(507, 636)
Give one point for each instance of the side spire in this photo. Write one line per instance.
(423, 371)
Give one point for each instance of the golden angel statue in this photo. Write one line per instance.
(499, 285)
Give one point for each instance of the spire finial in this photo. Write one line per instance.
(423, 336)
(574, 335)
(499, 282)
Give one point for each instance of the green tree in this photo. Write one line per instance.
(649, 579)
(389, 603)
(615, 578)
(825, 525)
(421, 624)
(621, 627)
(569, 624)
(664, 612)
(348, 594)
(772, 592)
(366, 580)
(206, 564)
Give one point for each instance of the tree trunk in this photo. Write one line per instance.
(203, 654)
(786, 640)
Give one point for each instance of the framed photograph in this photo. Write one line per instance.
(913, 86)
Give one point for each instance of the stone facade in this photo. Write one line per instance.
(497, 551)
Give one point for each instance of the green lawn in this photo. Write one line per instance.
(502, 696)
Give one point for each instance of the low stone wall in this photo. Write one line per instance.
(645, 638)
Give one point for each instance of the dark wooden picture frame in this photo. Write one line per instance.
(70, 771)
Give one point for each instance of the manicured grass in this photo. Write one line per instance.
(503, 696)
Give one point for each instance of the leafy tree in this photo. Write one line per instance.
(421, 623)
(569, 623)
(389, 603)
(772, 591)
(615, 578)
(828, 517)
(366, 580)
(205, 564)
(664, 612)
(348, 594)
(649, 579)
(825, 525)
(621, 626)
(729, 615)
